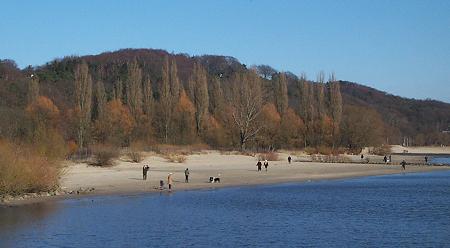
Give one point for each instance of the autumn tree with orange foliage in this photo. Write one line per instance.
(271, 122)
(116, 125)
(44, 132)
(292, 130)
(185, 119)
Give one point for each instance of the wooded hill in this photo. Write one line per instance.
(152, 96)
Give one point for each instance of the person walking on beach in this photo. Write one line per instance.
(403, 163)
(289, 159)
(266, 164)
(186, 175)
(259, 165)
(385, 159)
(426, 160)
(144, 172)
(161, 184)
(170, 181)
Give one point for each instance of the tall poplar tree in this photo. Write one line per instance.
(33, 89)
(134, 89)
(198, 87)
(165, 100)
(281, 93)
(83, 101)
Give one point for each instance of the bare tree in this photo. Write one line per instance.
(246, 104)
(83, 101)
(335, 103)
(265, 71)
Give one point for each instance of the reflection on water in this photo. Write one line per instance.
(13, 219)
(406, 210)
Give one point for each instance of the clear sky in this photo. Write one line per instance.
(402, 47)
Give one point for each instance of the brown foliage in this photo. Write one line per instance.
(23, 170)
(116, 124)
(43, 112)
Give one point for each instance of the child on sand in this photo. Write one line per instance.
(170, 181)
(289, 159)
(266, 164)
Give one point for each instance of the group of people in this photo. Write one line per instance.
(259, 164)
(266, 163)
(146, 168)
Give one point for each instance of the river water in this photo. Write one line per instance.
(404, 210)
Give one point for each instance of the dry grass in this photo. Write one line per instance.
(23, 170)
(175, 158)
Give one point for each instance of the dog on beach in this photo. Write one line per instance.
(214, 179)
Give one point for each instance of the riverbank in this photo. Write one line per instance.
(125, 177)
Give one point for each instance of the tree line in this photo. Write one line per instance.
(124, 98)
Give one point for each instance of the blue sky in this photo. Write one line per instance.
(402, 47)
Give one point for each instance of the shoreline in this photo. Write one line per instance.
(182, 187)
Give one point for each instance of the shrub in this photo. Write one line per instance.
(310, 150)
(24, 170)
(382, 150)
(270, 156)
(104, 155)
(325, 150)
(135, 156)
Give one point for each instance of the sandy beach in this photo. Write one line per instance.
(234, 170)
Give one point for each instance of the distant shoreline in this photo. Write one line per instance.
(125, 178)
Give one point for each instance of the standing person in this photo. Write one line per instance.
(426, 160)
(403, 163)
(385, 159)
(266, 164)
(259, 165)
(289, 159)
(144, 172)
(186, 175)
(170, 181)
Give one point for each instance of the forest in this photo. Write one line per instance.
(153, 97)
